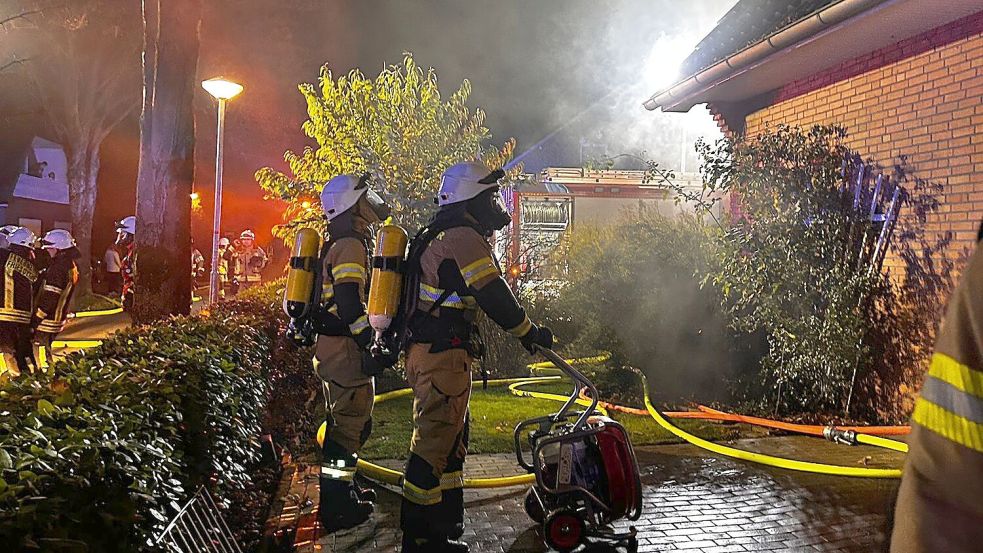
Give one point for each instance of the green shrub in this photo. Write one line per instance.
(92, 457)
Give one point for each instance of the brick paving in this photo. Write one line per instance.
(694, 502)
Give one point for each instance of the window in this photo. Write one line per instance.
(34, 225)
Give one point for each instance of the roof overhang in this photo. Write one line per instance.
(839, 32)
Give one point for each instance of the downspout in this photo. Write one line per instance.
(818, 22)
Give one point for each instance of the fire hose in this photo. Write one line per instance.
(847, 435)
(852, 435)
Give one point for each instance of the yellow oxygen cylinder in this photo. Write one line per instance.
(299, 292)
(387, 277)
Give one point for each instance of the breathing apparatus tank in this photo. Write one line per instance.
(386, 287)
(302, 292)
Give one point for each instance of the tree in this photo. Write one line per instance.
(167, 144)
(85, 72)
(395, 126)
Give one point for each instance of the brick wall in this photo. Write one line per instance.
(921, 98)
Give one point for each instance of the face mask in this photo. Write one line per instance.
(489, 210)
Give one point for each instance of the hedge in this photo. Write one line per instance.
(93, 456)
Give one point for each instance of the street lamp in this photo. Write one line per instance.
(223, 90)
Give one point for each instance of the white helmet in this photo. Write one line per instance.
(4, 233)
(247, 235)
(22, 237)
(223, 242)
(464, 181)
(59, 239)
(344, 191)
(127, 225)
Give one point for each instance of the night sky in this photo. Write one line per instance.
(534, 67)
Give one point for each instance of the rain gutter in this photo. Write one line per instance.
(790, 37)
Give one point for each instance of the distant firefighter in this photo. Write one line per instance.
(250, 259)
(126, 231)
(20, 279)
(228, 280)
(57, 288)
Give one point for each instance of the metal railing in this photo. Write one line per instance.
(198, 527)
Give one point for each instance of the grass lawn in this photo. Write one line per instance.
(494, 414)
(94, 302)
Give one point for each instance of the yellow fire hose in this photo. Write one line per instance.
(393, 477)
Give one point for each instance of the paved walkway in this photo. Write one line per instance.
(694, 502)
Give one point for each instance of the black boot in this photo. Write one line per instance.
(340, 507)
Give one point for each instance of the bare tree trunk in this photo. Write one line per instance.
(83, 168)
(166, 173)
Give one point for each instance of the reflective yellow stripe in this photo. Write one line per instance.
(359, 325)
(949, 370)
(949, 425)
(327, 291)
(51, 288)
(348, 270)
(478, 270)
(419, 495)
(452, 480)
(338, 474)
(333, 310)
(431, 294)
(522, 329)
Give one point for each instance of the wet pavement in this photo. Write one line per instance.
(694, 502)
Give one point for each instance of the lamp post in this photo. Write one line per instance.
(223, 90)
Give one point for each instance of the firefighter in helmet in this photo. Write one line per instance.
(939, 505)
(250, 259)
(458, 276)
(228, 284)
(126, 230)
(58, 286)
(20, 280)
(342, 359)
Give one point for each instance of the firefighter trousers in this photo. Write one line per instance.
(15, 345)
(348, 393)
(433, 494)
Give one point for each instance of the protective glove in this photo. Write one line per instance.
(537, 336)
(372, 365)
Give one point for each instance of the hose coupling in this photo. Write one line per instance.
(836, 435)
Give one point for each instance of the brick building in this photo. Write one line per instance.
(904, 77)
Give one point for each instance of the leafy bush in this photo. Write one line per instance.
(798, 266)
(92, 457)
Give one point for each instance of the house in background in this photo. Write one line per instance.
(904, 77)
(34, 185)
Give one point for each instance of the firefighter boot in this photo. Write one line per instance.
(340, 507)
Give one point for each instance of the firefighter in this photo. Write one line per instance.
(939, 505)
(342, 359)
(20, 279)
(226, 269)
(126, 230)
(55, 297)
(197, 266)
(250, 259)
(458, 275)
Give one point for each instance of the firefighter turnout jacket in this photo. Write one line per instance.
(250, 263)
(20, 279)
(940, 502)
(56, 292)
